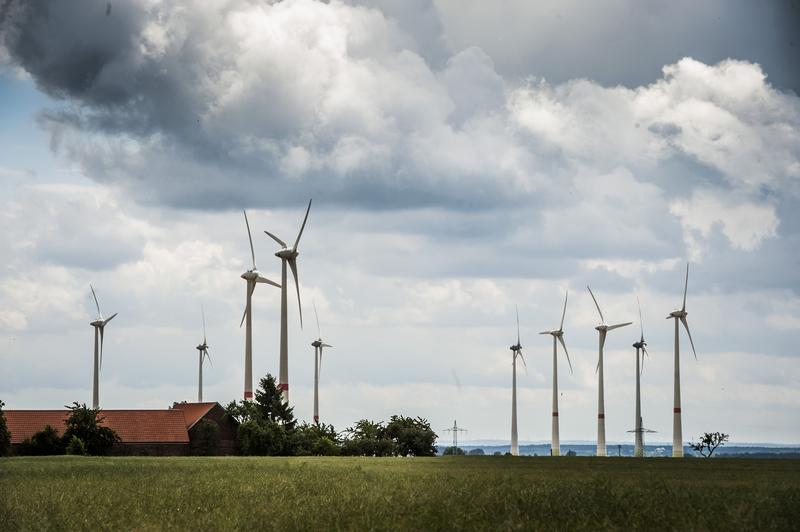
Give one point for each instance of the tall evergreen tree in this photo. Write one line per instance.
(5, 435)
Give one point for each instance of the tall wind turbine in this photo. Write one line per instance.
(602, 330)
(203, 353)
(99, 326)
(318, 345)
(252, 276)
(558, 337)
(288, 256)
(516, 349)
(679, 315)
(641, 349)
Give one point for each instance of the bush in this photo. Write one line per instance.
(412, 437)
(5, 435)
(84, 423)
(367, 438)
(263, 438)
(76, 446)
(46, 442)
(453, 451)
(207, 437)
(316, 440)
(476, 452)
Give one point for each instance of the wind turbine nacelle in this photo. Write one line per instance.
(677, 314)
(287, 254)
(316, 343)
(97, 323)
(601, 327)
(250, 275)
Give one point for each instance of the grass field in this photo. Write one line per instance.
(398, 493)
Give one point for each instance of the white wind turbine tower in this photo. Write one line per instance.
(99, 326)
(516, 349)
(252, 276)
(558, 336)
(288, 256)
(641, 349)
(602, 330)
(318, 345)
(203, 353)
(677, 429)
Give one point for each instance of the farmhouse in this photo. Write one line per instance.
(177, 431)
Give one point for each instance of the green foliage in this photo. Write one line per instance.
(476, 452)
(709, 442)
(76, 446)
(367, 438)
(412, 437)
(340, 493)
(46, 442)
(207, 439)
(271, 406)
(316, 440)
(261, 439)
(5, 435)
(84, 423)
(453, 451)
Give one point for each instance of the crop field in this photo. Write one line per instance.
(501, 493)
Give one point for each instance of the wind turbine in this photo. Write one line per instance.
(558, 336)
(516, 349)
(288, 256)
(203, 353)
(99, 326)
(677, 429)
(318, 345)
(252, 276)
(641, 348)
(602, 330)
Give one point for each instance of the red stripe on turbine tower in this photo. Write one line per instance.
(676, 410)
(555, 414)
(601, 416)
(248, 395)
(283, 386)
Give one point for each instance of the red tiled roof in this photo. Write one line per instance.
(132, 426)
(193, 412)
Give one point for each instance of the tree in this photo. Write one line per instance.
(266, 425)
(85, 423)
(453, 451)
(76, 447)
(5, 435)
(412, 437)
(476, 452)
(316, 440)
(207, 437)
(709, 442)
(367, 438)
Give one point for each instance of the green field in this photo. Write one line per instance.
(397, 493)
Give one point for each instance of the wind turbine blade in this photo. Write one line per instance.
(644, 352)
(618, 325)
(247, 307)
(686, 326)
(517, 307)
(545, 332)
(523, 361)
(319, 371)
(302, 226)
(602, 319)
(602, 342)
(109, 319)
(249, 236)
(293, 266)
(564, 313)
(319, 334)
(276, 239)
(561, 341)
(262, 279)
(641, 323)
(101, 346)
(326, 345)
(203, 312)
(685, 287)
(99, 314)
(205, 352)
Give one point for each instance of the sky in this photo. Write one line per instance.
(464, 158)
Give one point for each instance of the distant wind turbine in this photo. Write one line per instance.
(516, 349)
(602, 330)
(203, 353)
(679, 315)
(252, 276)
(318, 345)
(641, 348)
(558, 336)
(99, 327)
(288, 256)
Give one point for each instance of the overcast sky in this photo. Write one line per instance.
(464, 157)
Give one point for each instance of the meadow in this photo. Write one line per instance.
(484, 493)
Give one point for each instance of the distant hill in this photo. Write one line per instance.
(626, 449)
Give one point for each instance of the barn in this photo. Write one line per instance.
(180, 430)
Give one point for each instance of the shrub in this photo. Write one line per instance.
(84, 423)
(453, 451)
(316, 440)
(207, 437)
(76, 446)
(46, 442)
(476, 452)
(412, 437)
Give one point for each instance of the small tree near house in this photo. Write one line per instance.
(5, 435)
(84, 423)
(709, 442)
